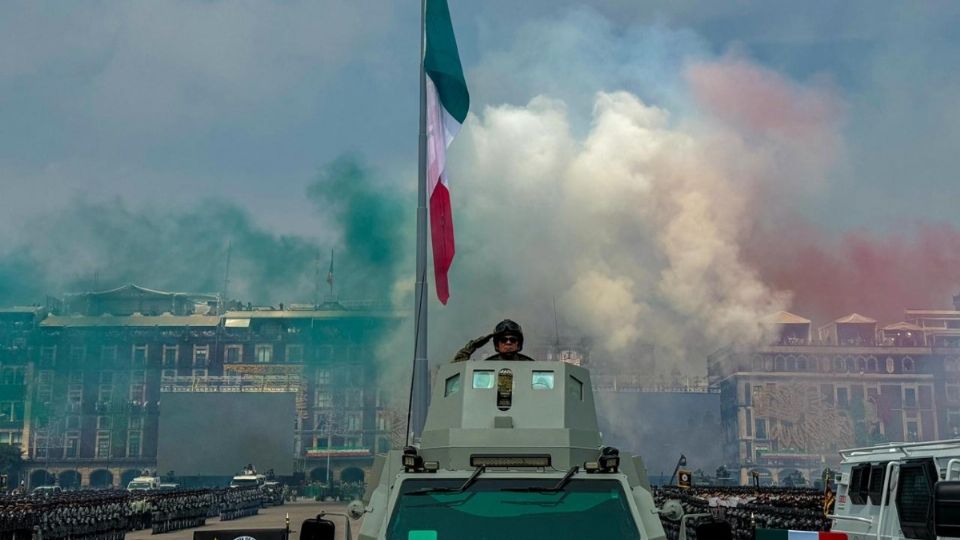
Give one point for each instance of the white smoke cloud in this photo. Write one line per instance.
(635, 227)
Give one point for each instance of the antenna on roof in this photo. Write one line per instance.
(316, 281)
(556, 324)
(226, 278)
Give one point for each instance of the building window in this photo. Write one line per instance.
(909, 397)
(953, 392)
(232, 354)
(73, 422)
(354, 398)
(138, 392)
(170, 354)
(908, 365)
(760, 428)
(913, 433)
(76, 377)
(843, 400)
(168, 374)
(108, 354)
(106, 377)
(354, 421)
(48, 355)
(104, 422)
(872, 364)
(133, 443)
(264, 353)
(324, 400)
(77, 354)
(294, 354)
(953, 421)
(200, 355)
(139, 357)
(71, 444)
(323, 377)
(74, 397)
(135, 422)
(8, 411)
(103, 444)
(105, 393)
(199, 374)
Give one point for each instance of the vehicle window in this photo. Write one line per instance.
(915, 499)
(483, 379)
(583, 509)
(542, 380)
(452, 385)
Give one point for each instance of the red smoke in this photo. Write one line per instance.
(872, 274)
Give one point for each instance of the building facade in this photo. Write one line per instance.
(82, 389)
(789, 406)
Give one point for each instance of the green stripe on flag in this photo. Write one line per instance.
(442, 61)
(770, 534)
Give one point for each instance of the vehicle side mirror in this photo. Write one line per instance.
(356, 510)
(717, 530)
(946, 508)
(318, 529)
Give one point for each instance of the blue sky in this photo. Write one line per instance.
(167, 105)
(245, 100)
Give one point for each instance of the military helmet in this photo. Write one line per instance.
(506, 327)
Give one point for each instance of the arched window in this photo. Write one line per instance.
(872, 364)
(908, 366)
(779, 362)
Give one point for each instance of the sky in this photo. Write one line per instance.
(665, 171)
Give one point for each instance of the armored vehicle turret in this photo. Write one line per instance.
(510, 450)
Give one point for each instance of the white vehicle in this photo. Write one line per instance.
(143, 483)
(248, 478)
(899, 491)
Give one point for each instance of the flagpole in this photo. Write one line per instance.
(420, 378)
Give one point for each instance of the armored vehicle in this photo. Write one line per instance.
(898, 491)
(510, 450)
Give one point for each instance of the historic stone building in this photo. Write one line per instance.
(789, 406)
(82, 389)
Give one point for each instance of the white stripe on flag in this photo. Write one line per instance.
(802, 535)
(436, 138)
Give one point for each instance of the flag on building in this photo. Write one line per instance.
(447, 104)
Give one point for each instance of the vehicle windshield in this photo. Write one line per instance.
(243, 482)
(582, 509)
(138, 485)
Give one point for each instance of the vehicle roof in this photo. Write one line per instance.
(881, 452)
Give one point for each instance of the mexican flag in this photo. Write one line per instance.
(782, 534)
(447, 104)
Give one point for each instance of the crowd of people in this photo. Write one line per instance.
(107, 514)
(747, 508)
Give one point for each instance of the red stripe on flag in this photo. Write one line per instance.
(441, 235)
(832, 536)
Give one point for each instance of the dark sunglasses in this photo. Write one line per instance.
(508, 339)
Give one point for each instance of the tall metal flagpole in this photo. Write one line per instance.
(420, 383)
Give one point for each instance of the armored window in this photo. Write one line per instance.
(483, 379)
(575, 388)
(915, 498)
(452, 385)
(875, 489)
(859, 482)
(542, 380)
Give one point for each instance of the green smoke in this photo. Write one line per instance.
(103, 244)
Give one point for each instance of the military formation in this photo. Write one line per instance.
(109, 514)
(747, 508)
